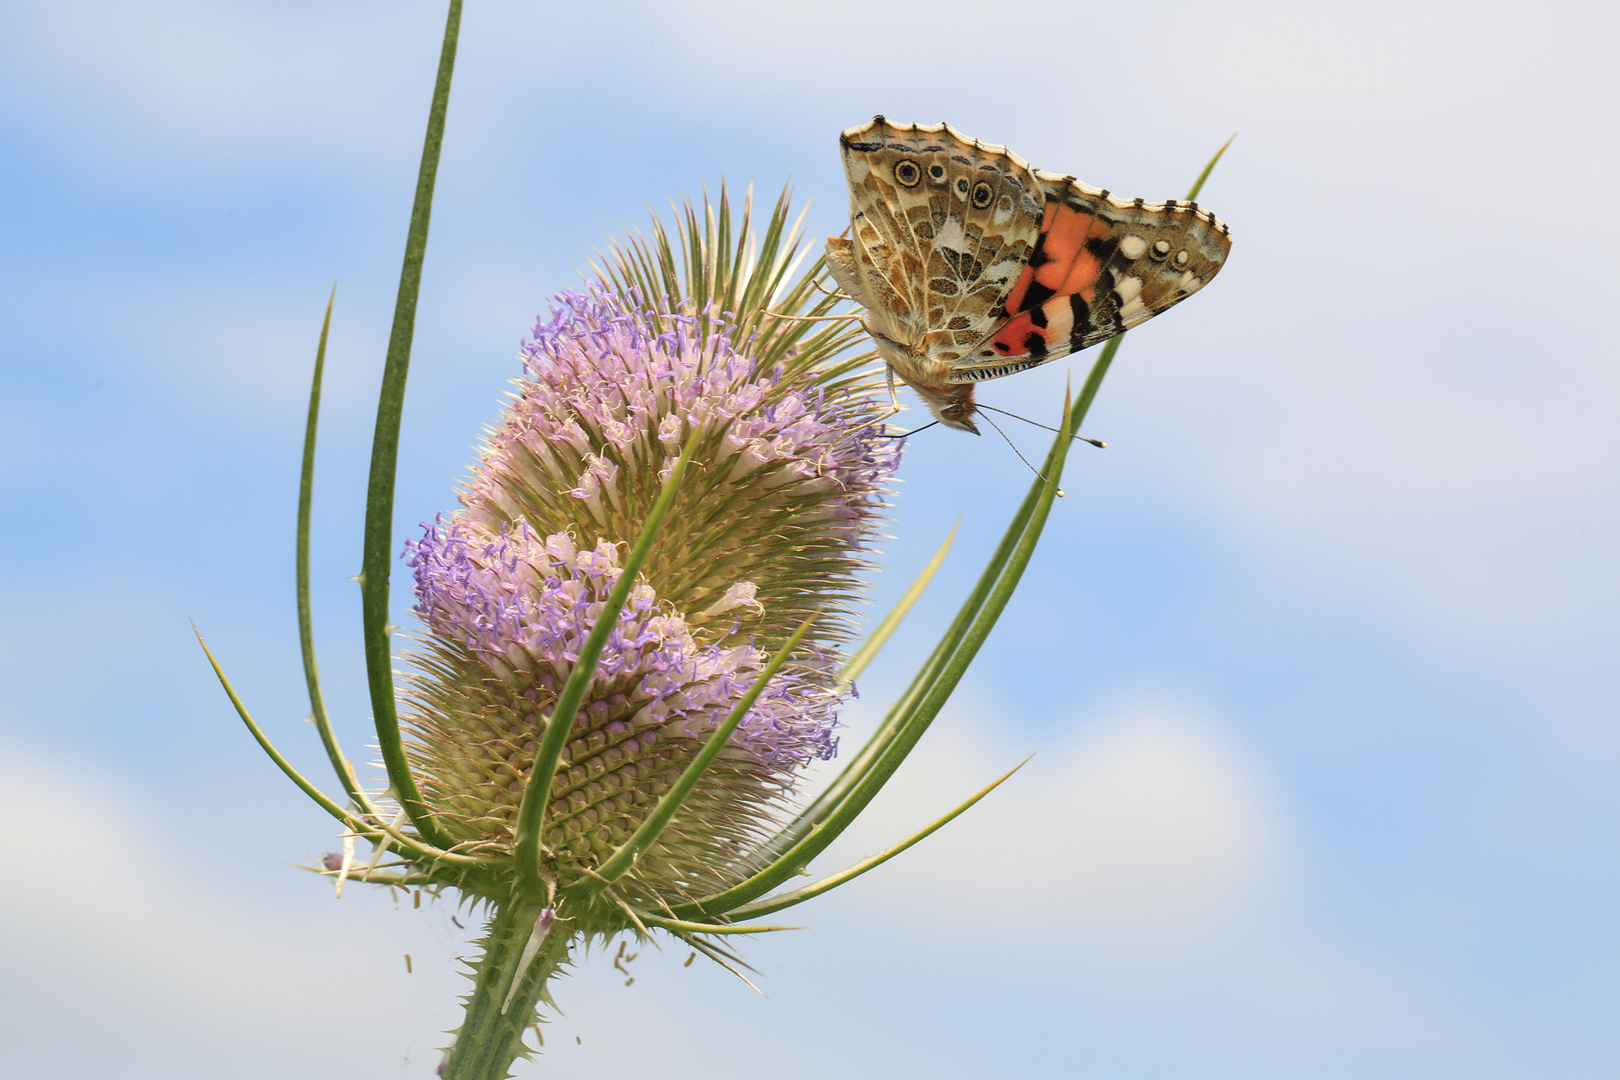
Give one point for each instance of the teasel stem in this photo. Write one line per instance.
(506, 990)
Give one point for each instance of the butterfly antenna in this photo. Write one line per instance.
(1015, 450)
(909, 434)
(1098, 443)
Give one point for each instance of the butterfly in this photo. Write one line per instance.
(972, 265)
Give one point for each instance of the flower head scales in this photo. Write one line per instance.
(768, 529)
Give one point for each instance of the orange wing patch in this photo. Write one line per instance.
(1061, 261)
(1053, 295)
(1070, 265)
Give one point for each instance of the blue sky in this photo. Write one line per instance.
(1316, 659)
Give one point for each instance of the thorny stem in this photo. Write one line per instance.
(491, 1038)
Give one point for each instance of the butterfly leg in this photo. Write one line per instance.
(894, 402)
(810, 318)
(884, 422)
(814, 284)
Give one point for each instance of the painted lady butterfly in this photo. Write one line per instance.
(971, 265)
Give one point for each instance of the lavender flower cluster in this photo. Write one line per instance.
(608, 382)
(766, 530)
(524, 605)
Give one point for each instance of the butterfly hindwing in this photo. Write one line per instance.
(1099, 267)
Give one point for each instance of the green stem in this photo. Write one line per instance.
(378, 550)
(491, 1038)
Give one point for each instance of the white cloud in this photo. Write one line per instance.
(98, 914)
(217, 81)
(1434, 475)
(1149, 834)
(1366, 431)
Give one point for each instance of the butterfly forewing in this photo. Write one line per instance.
(941, 228)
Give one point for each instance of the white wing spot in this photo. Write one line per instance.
(1005, 270)
(1128, 287)
(1189, 282)
(1161, 248)
(1134, 312)
(1059, 318)
(1181, 258)
(1132, 247)
(951, 234)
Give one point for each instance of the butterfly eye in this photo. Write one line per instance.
(936, 172)
(983, 194)
(907, 173)
(961, 187)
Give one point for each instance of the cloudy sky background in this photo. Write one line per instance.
(1317, 659)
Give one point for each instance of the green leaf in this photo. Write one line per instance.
(306, 633)
(1198, 185)
(620, 862)
(378, 548)
(891, 622)
(320, 797)
(369, 829)
(911, 717)
(710, 928)
(835, 793)
(537, 792)
(826, 884)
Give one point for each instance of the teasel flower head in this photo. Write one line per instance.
(768, 528)
(632, 631)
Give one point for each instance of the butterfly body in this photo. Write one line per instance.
(972, 265)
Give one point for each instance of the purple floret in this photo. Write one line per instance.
(524, 606)
(603, 361)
